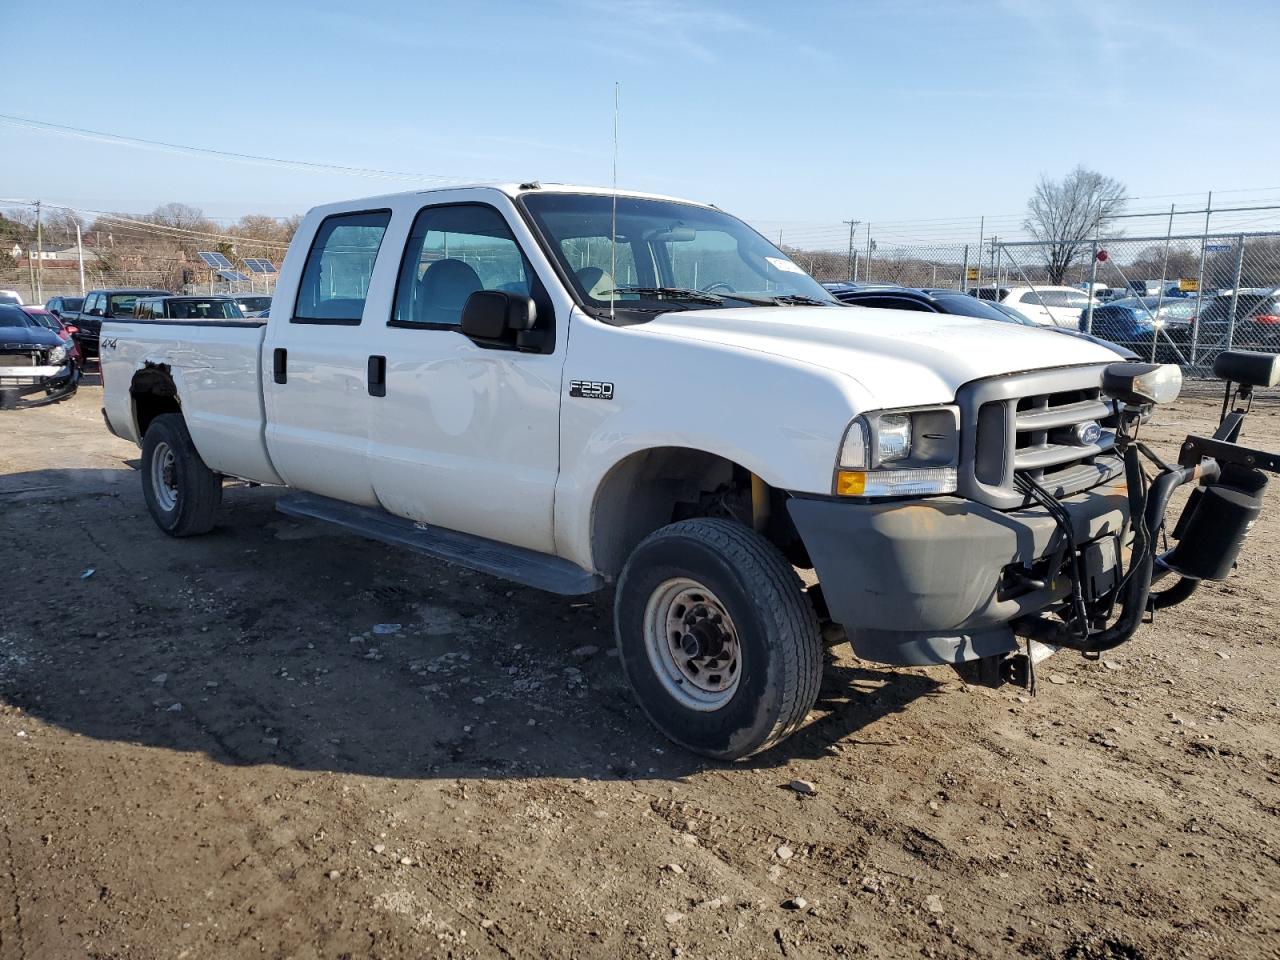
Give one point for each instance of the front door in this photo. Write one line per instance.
(466, 436)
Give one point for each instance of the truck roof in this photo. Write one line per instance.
(508, 189)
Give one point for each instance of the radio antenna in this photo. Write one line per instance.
(613, 221)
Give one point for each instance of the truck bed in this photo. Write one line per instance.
(217, 368)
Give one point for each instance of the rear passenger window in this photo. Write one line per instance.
(335, 280)
(452, 252)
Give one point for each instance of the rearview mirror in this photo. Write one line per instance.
(673, 234)
(489, 314)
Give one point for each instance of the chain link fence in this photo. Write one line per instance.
(60, 283)
(908, 265)
(1174, 299)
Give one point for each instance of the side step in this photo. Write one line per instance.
(533, 569)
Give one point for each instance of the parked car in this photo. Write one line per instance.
(1257, 323)
(100, 305)
(60, 306)
(11, 297)
(35, 365)
(1046, 305)
(1134, 322)
(636, 391)
(936, 300)
(187, 308)
(65, 332)
(253, 304)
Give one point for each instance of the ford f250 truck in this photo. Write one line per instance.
(577, 389)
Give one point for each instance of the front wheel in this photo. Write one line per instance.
(717, 638)
(182, 493)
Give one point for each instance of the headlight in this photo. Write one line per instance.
(58, 355)
(900, 453)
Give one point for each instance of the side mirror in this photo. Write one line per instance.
(491, 314)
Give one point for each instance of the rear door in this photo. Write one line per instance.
(466, 436)
(314, 361)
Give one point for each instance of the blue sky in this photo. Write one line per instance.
(781, 111)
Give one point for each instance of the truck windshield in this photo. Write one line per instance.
(666, 255)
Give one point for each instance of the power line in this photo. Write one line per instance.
(315, 166)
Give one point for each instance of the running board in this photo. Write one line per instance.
(529, 567)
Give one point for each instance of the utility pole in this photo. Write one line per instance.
(853, 225)
(39, 257)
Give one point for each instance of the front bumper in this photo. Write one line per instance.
(32, 386)
(926, 581)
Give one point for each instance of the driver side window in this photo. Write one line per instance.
(453, 252)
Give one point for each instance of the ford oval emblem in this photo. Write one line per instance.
(1088, 433)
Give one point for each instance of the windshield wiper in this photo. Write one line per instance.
(669, 293)
(800, 300)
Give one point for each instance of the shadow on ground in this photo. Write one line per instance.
(263, 643)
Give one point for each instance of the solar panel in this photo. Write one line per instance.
(258, 265)
(232, 275)
(215, 260)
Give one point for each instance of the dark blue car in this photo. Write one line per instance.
(35, 365)
(1134, 321)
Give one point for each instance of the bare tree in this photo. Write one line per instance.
(1063, 215)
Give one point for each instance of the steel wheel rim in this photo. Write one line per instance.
(692, 644)
(163, 483)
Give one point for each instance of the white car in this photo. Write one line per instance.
(11, 297)
(1047, 305)
(577, 389)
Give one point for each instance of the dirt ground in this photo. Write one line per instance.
(219, 748)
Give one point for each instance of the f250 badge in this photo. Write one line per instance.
(591, 389)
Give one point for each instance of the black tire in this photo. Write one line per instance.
(777, 635)
(190, 506)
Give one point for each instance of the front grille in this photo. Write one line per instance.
(1027, 424)
(20, 355)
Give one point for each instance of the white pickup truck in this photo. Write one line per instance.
(576, 389)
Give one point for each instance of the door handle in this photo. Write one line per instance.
(280, 364)
(377, 376)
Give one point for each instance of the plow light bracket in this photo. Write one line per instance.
(1141, 384)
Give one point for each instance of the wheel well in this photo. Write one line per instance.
(153, 392)
(655, 487)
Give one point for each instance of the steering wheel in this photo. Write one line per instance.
(718, 285)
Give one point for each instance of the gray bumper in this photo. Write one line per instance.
(919, 582)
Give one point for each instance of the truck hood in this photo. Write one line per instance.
(899, 357)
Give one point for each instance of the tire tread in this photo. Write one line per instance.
(795, 623)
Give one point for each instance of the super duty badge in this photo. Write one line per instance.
(591, 389)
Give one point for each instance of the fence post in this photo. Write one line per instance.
(1204, 248)
(1235, 290)
(869, 249)
(964, 270)
(1093, 280)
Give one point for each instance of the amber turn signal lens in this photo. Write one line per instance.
(851, 483)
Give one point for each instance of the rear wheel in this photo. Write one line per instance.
(719, 642)
(182, 493)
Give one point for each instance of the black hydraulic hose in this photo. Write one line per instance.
(1142, 566)
(1137, 587)
(1184, 588)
